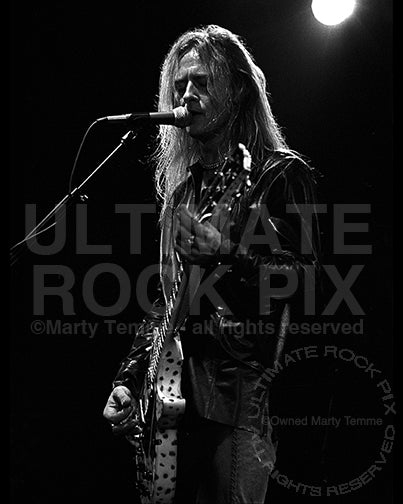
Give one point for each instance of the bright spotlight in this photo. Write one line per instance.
(332, 12)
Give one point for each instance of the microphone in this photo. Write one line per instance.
(179, 117)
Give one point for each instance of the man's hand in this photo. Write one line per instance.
(196, 242)
(120, 409)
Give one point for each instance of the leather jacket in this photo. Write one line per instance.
(229, 350)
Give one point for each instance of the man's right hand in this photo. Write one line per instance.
(120, 411)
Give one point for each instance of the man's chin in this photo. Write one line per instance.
(194, 131)
(201, 134)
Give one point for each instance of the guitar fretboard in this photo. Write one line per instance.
(163, 329)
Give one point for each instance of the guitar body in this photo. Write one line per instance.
(156, 447)
(161, 404)
(170, 406)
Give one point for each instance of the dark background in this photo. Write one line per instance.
(331, 88)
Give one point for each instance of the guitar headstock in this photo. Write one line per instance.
(227, 184)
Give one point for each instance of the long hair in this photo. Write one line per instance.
(244, 99)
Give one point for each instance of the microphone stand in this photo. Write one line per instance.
(20, 247)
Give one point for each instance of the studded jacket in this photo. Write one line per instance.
(232, 344)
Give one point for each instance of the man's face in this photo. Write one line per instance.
(191, 91)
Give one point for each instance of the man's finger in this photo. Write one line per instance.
(185, 222)
(114, 415)
(185, 210)
(122, 397)
(187, 219)
(183, 236)
(192, 257)
(125, 428)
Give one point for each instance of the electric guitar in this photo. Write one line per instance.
(161, 403)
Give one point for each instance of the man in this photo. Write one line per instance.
(254, 263)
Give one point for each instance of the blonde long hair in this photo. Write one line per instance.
(246, 102)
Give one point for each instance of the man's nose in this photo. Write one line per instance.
(190, 93)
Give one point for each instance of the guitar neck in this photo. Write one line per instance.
(224, 189)
(166, 326)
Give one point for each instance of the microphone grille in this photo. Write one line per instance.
(182, 117)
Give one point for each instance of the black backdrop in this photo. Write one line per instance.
(331, 89)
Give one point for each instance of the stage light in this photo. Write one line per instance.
(332, 12)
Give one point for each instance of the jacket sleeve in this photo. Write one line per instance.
(133, 368)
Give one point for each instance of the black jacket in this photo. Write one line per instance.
(229, 351)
